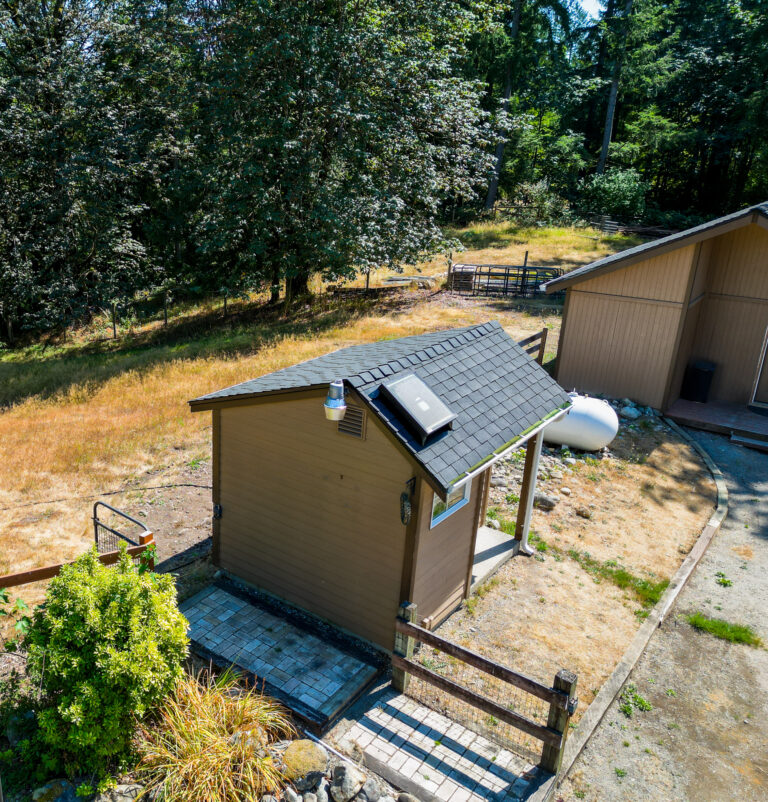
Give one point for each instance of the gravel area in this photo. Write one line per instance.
(705, 736)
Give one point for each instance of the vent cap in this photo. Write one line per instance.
(353, 423)
(421, 410)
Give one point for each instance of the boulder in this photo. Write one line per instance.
(583, 512)
(305, 763)
(322, 791)
(544, 502)
(289, 795)
(55, 791)
(569, 460)
(268, 798)
(566, 491)
(498, 481)
(493, 523)
(347, 782)
(630, 413)
(310, 797)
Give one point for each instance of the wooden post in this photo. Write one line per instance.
(114, 320)
(148, 539)
(527, 492)
(404, 646)
(551, 756)
(542, 346)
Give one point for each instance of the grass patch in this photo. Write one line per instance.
(725, 630)
(646, 591)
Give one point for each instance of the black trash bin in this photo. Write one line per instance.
(697, 381)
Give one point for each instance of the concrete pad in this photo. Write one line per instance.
(492, 550)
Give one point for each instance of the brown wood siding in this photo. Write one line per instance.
(621, 347)
(739, 264)
(661, 278)
(701, 271)
(683, 357)
(730, 334)
(443, 555)
(312, 515)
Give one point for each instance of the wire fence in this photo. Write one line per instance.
(503, 693)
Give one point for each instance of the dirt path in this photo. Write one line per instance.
(705, 737)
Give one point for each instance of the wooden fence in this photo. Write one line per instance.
(146, 539)
(560, 697)
(535, 345)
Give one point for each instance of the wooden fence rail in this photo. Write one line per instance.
(561, 696)
(49, 571)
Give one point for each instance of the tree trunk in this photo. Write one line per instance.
(493, 187)
(296, 287)
(613, 95)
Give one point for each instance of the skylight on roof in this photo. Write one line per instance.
(422, 411)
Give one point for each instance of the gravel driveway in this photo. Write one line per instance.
(706, 736)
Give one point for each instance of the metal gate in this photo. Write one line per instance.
(108, 538)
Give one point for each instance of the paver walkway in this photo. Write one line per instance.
(312, 677)
(433, 758)
(705, 737)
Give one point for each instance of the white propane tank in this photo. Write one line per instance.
(590, 424)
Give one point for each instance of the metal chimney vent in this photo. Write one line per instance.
(422, 411)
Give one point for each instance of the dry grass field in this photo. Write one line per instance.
(85, 417)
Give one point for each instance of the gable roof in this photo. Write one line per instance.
(744, 217)
(499, 394)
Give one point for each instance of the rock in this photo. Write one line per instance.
(569, 460)
(556, 475)
(370, 792)
(406, 798)
(55, 791)
(583, 512)
(630, 413)
(17, 724)
(387, 799)
(305, 763)
(310, 797)
(322, 791)
(120, 793)
(289, 795)
(268, 798)
(493, 523)
(566, 491)
(347, 782)
(498, 481)
(627, 402)
(544, 502)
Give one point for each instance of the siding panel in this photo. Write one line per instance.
(312, 515)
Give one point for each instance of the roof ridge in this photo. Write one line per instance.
(423, 355)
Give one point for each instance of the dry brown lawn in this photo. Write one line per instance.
(648, 502)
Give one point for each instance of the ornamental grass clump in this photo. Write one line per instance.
(211, 742)
(107, 645)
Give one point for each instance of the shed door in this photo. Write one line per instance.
(760, 394)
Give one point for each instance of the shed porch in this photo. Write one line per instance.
(722, 417)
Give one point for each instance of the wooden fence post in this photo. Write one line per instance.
(551, 757)
(542, 345)
(148, 539)
(404, 645)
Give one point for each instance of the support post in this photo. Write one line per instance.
(404, 646)
(527, 492)
(551, 756)
(114, 320)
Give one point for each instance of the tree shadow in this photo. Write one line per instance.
(247, 329)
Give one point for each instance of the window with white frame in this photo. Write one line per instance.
(454, 501)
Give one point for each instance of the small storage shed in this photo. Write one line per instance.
(348, 519)
(635, 322)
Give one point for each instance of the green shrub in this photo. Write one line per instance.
(107, 645)
(617, 193)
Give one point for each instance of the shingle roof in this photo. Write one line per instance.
(645, 250)
(498, 392)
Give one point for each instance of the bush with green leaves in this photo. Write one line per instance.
(107, 645)
(618, 193)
